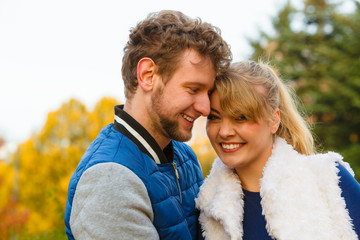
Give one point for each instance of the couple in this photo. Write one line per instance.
(138, 180)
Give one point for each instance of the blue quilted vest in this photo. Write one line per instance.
(172, 186)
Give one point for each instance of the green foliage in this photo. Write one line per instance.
(352, 154)
(317, 49)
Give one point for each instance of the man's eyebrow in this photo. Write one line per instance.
(214, 110)
(196, 84)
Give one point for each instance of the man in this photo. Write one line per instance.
(137, 180)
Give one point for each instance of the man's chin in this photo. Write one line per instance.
(182, 137)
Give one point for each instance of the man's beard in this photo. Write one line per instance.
(168, 127)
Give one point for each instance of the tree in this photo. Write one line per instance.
(13, 216)
(316, 48)
(45, 162)
(204, 153)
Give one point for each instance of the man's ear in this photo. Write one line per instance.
(275, 121)
(146, 70)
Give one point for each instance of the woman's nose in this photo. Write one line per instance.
(226, 129)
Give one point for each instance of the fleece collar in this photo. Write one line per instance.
(301, 198)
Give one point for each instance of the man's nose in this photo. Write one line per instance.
(202, 104)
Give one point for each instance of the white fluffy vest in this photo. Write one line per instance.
(301, 198)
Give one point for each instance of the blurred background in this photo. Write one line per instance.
(60, 77)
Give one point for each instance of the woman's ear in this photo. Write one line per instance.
(275, 121)
(146, 70)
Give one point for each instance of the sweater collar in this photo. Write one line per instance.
(133, 130)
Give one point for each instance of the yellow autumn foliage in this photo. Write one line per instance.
(6, 182)
(204, 153)
(45, 162)
(40, 170)
(202, 147)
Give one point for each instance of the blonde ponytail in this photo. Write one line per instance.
(293, 128)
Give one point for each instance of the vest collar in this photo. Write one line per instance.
(133, 130)
(300, 198)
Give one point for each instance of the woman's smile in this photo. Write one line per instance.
(231, 146)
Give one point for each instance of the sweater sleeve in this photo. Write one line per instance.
(351, 193)
(111, 202)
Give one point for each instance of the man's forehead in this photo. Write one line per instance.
(194, 57)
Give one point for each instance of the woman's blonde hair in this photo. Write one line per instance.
(255, 91)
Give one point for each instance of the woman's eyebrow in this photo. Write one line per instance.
(214, 110)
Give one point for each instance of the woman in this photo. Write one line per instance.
(268, 183)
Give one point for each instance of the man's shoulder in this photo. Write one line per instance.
(181, 146)
(109, 146)
(183, 150)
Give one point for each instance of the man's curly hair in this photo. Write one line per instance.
(163, 36)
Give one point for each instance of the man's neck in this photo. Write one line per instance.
(140, 114)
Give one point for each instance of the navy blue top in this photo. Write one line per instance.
(254, 222)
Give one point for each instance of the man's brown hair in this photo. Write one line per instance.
(163, 36)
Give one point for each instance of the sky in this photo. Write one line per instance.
(51, 51)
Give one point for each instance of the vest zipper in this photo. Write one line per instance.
(177, 179)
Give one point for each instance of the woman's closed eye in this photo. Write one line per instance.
(241, 118)
(211, 117)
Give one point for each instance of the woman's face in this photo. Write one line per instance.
(240, 143)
